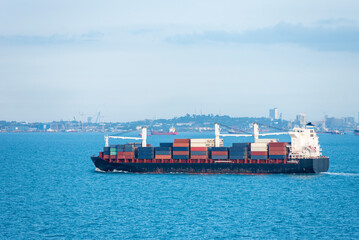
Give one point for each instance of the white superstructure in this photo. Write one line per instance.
(305, 143)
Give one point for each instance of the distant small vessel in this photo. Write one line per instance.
(172, 131)
(337, 132)
(356, 132)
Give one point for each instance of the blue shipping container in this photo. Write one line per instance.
(180, 148)
(240, 157)
(180, 157)
(277, 156)
(217, 157)
(259, 157)
(199, 153)
(219, 149)
(162, 149)
(163, 152)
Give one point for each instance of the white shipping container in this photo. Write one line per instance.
(259, 149)
(202, 140)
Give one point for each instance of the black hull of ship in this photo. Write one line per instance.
(316, 165)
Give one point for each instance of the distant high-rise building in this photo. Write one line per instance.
(301, 119)
(273, 113)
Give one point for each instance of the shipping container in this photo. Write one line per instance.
(223, 153)
(163, 152)
(180, 148)
(217, 157)
(258, 153)
(202, 140)
(278, 144)
(277, 156)
(198, 152)
(240, 157)
(163, 156)
(181, 145)
(180, 157)
(219, 149)
(198, 148)
(277, 148)
(182, 140)
(180, 152)
(199, 157)
(258, 157)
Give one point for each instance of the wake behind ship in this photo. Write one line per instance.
(263, 156)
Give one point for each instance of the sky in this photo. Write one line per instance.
(133, 60)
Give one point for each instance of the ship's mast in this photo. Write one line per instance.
(143, 138)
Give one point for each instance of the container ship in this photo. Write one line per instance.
(208, 156)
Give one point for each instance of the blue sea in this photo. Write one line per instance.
(49, 189)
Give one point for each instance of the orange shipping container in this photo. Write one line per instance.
(198, 157)
(163, 156)
(219, 153)
(181, 145)
(180, 152)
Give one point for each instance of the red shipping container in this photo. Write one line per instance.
(277, 144)
(106, 157)
(198, 149)
(198, 157)
(256, 153)
(277, 152)
(163, 156)
(277, 148)
(180, 152)
(100, 154)
(181, 145)
(148, 145)
(220, 153)
(182, 140)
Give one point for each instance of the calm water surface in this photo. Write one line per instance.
(49, 189)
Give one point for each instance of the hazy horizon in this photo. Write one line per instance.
(161, 59)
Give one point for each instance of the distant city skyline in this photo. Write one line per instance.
(160, 59)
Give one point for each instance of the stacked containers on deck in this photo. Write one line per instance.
(218, 153)
(113, 150)
(146, 152)
(163, 152)
(278, 150)
(126, 151)
(259, 151)
(181, 149)
(239, 151)
(199, 148)
(106, 151)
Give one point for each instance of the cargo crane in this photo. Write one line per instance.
(143, 138)
(304, 141)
